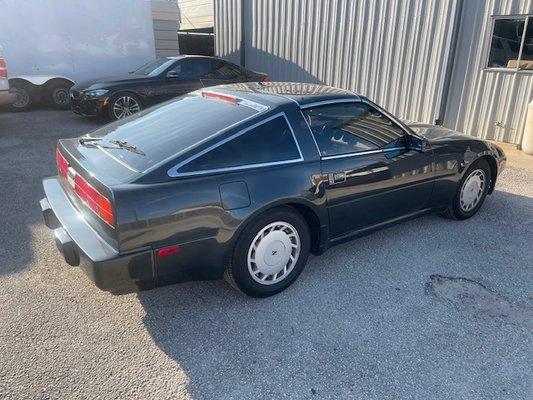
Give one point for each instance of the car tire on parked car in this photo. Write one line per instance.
(471, 191)
(123, 105)
(270, 253)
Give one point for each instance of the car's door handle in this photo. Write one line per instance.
(336, 177)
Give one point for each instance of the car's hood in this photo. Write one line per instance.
(435, 132)
(103, 83)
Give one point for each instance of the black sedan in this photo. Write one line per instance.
(159, 80)
(244, 181)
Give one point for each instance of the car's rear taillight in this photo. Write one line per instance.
(62, 164)
(3, 68)
(92, 198)
(98, 203)
(266, 79)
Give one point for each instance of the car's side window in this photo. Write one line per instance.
(271, 141)
(346, 128)
(193, 67)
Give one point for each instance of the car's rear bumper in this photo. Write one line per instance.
(7, 98)
(81, 245)
(88, 107)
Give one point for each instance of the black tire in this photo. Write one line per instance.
(116, 99)
(57, 96)
(24, 101)
(455, 210)
(237, 273)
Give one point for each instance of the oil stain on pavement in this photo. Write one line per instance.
(469, 295)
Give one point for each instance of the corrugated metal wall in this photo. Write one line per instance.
(228, 29)
(487, 103)
(394, 52)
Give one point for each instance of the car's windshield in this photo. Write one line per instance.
(155, 67)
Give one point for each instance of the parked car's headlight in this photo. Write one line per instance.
(92, 94)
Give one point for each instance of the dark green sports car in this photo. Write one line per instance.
(244, 181)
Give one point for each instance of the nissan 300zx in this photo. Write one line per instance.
(244, 181)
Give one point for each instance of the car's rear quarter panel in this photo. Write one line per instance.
(190, 212)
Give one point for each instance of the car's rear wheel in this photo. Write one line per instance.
(123, 105)
(471, 191)
(270, 253)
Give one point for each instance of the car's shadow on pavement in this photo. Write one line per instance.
(27, 144)
(367, 318)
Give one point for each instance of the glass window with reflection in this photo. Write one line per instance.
(512, 43)
(269, 142)
(193, 68)
(351, 128)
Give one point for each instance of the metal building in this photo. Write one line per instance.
(463, 63)
(166, 18)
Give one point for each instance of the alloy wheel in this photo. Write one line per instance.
(125, 106)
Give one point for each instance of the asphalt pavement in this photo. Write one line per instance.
(430, 309)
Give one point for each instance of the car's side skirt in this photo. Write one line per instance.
(381, 225)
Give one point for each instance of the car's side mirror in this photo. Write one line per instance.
(425, 145)
(172, 75)
(417, 143)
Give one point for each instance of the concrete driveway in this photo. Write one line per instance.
(431, 309)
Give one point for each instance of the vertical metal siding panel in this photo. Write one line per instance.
(480, 98)
(398, 62)
(392, 51)
(227, 29)
(348, 45)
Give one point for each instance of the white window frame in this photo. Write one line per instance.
(526, 18)
(174, 171)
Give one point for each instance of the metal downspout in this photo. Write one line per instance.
(450, 63)
(243, 50)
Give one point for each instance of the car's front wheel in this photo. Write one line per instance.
(270, 253)
(123, 105)
(471, 191)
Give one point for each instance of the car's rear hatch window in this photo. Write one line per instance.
(164, 132)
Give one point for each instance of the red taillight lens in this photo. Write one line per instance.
(266, 79)
(94, 200)
(62, 164)
(91, 197)
(167, 251)
(3, 68)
